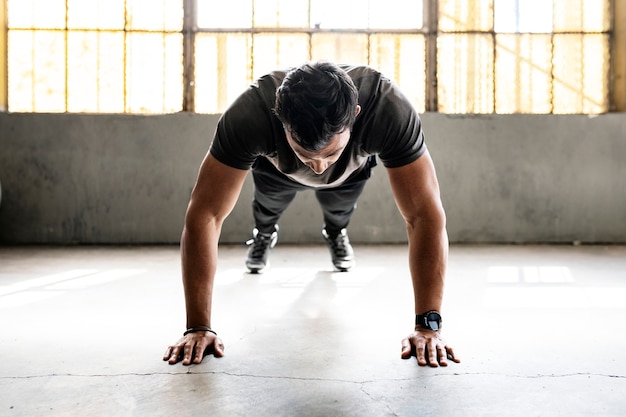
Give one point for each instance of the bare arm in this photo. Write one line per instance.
(213, 198)
(416, 191)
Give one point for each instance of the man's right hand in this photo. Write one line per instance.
(193, 347)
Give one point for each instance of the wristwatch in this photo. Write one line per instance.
(430, 320)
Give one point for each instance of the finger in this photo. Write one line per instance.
(420, 353)
(441, 353)
(187, 352)
(432, 354)
(451, 355)
(218, 348)
(201, 350)
(175, 355)
(198, 353)
(406, 349)
(168, 353)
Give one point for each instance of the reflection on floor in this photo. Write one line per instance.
(540, 331)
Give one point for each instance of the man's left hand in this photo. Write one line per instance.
(428, 347)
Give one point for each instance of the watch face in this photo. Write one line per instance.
(433, 320)
(429, 320)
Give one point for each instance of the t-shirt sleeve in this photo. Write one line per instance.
(243, 131)
(395, 127)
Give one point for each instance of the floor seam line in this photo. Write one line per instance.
(295, 378)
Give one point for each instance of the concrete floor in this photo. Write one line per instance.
(540, 331)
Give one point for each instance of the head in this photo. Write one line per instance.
(316, 102)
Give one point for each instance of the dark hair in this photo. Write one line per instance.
(316, 101)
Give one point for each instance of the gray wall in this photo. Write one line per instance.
(69, 178)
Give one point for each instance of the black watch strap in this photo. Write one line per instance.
(429, 320)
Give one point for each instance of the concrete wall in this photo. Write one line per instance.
(69, 178)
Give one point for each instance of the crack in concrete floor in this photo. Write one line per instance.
(293, 378)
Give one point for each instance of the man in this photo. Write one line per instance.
(320, 127)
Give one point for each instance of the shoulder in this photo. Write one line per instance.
(377, 90)
(388, 124)
(359, 72)
(248, 127)
(365, 78)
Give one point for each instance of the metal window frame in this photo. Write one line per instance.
(617, 71)
(189, 35)
(617, 80)
(66, 30)
(4, 57)
(430, 30)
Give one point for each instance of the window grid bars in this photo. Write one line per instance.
(429, 29)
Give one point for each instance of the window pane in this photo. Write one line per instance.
(281, 13)
(95, 14)
(515, 16)
(42, 14)
(95, 72)
(339, 14)
(396, 14)
(20, 71)
(581, 67)
(154, 14)
(462, 15)
(340, 48)
(278, 51)
(582, 15)
(550, 55)
(401, 58)
(49, 65)
(465, 73)
(222, 69)
(372, 14)
(224, 14)
(523, 74)
(37, 71)
(154, 73)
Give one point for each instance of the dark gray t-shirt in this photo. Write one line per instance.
(388, 126)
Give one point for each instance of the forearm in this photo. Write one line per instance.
(199, 261)
(428, 257)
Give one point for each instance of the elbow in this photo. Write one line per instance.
(200, 220)
(432, 218)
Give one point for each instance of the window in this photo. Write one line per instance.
(95, 56)
(451, 56)
(232, 48)
(530, 56)
(552, 57)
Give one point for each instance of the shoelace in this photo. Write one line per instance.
(338, 245)
(260, 243)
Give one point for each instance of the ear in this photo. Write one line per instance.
(358, 110)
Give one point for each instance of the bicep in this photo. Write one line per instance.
(215, 192)
(416, 189)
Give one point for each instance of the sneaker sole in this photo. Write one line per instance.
(343, 268)
(258, 270)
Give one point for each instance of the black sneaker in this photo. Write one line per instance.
(340, 250)
(257, 260)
